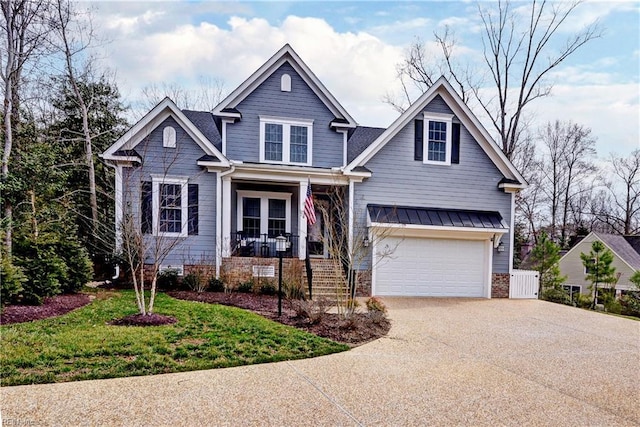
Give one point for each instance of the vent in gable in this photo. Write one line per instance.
(285, 83)
(169, 137)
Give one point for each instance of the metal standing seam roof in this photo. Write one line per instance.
(435, 217)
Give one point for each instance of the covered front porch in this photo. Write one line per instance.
(261, 203)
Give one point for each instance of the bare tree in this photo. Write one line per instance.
(568, 168)
(205, 96)
(620, 208)
(519, 54)
(23, 32)
(74, 37)
(349, 253)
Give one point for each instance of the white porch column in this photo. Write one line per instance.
(351, 201)
(119, 208)
(302, 221)
(226, 217)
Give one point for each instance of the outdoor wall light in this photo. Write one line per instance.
(365, 241)
(500, 247)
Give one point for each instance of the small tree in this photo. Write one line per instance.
(598, 267)
(545, 256)
(349, 256)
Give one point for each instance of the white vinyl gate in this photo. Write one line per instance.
(524, 284)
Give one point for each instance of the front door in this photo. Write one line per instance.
(316, 232)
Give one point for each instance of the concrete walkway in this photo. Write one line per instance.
(444, 362)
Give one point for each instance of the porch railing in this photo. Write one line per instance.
(262, 245)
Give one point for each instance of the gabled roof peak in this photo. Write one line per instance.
(285, 54)
(443, 88)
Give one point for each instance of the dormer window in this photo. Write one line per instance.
(285, 83)
(437, 138)
(169, 137)
(287, 141)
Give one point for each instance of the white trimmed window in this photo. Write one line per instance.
(437, 138)
(286, 141)
(170, 201)
(261, 213)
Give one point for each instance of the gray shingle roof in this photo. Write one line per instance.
(360, 139)
(622, 248)
(204, 121)
(435, 216)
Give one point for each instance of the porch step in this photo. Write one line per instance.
(327, 279)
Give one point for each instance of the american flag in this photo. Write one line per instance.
(309, 211)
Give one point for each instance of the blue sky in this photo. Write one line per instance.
(353, 47)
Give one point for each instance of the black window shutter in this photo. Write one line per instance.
(192, 213)
(455, 143)
(419, 140)
(146, 204)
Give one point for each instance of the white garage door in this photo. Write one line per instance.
(431, 267)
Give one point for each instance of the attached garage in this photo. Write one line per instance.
(432, 252)
(433, 267)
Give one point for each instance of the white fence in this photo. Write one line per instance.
(524, 284)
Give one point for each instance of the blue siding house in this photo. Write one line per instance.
(426, 205)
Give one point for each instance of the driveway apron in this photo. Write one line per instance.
(444, 362)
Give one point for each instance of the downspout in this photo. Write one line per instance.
(118, 211)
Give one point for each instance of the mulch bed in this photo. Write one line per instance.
(51, 307)
(144, 320)
(359, 329)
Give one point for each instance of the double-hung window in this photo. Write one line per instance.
(287, 141)
(266, 213)
(169, 206)
(437, 138)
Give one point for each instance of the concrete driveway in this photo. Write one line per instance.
(444, 362)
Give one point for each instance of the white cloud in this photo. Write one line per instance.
(611, 111)
(157, 45)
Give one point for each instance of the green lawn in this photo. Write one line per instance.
(80, 345)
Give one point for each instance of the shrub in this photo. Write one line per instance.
(313, 310)
(79, 266)
(194, 282)
(376, 304)
(613, 306)
(556, 294)
(268, 288)
(630, 304)
(293, 290)
(246, 287)
(582, 301)
(377, 317)
(216, 285)
(168, 279)
(45, 271)
(11, 280)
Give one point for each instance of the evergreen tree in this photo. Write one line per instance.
(598, 267)
(545, 256)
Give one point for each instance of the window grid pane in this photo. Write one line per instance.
(298, 144)
(170, 208)
(251, 216)
(437, 147)
(273, 142)
(277, 217)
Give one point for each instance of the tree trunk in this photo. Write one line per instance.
(9, 74)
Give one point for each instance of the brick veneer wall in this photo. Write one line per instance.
(500, 285)
(363, 280)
